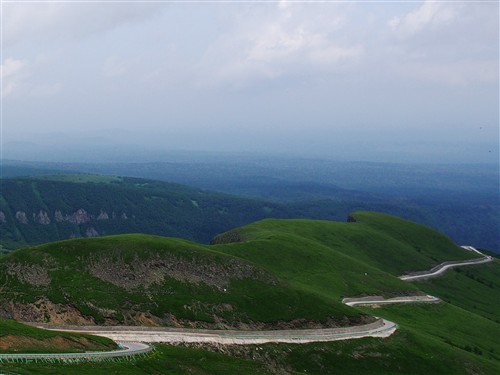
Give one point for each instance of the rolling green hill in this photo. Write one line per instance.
(142, 279)
(269, 274)
(343, 259)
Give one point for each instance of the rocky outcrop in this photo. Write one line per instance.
(79, 217)
(21, 217)
(41, 218)
(58, 216)
(229, 237)
(103, 216)
(143, 273)
(32, 274)
(44, 310)
(91, 232)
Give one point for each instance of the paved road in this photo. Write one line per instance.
(380, 328)
(440, 269)
(128, 350)
(379, 300)
(132, 338)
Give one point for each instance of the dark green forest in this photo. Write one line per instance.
(53, 207)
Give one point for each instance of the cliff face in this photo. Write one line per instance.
(78, 223)
(80, 216)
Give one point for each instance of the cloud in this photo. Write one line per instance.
(279, 41)
(22, 78)
(430, 15)
(445, 43)
(48, 22)
(12, 75)
(11, 67)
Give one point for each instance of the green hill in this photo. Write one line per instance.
(269, 274)
(142, 279)
(343, 259)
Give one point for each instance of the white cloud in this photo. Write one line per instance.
(12, 66)
(48, 22)
(428, 16)
(23, 78)
(13, 72)
(284, 40)
(445, 43)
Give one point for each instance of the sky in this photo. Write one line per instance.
(378, 81)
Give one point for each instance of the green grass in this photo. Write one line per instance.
(17, 332)
(308, 267)
(446, 324)
(315, 264)
(474, 288)
(344, 259)
(170, 360)
(389, 243)
(257, 297)
(405, 352)
(315, 267)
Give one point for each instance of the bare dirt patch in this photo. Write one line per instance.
(32, 274)
(144, 273)
(43, 310)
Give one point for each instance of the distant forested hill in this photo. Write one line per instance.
(54, 207)
(37, 210)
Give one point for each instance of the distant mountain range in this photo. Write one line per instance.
(60, 206)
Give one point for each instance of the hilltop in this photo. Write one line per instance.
(283, 273)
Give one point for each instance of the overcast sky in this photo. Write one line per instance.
(384, 81)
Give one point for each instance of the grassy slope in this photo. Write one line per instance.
(344, 259)
(169, 360)
(466, 341)
(474, 288)
(261, 298)
(387, 242)
(23, 338)
(317, 257)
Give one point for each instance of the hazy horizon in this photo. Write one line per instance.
(383, 82)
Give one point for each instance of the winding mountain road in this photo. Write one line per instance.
(379, 300)
(379, 328)
(133, 339)
(127, 350)
(441, 268)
